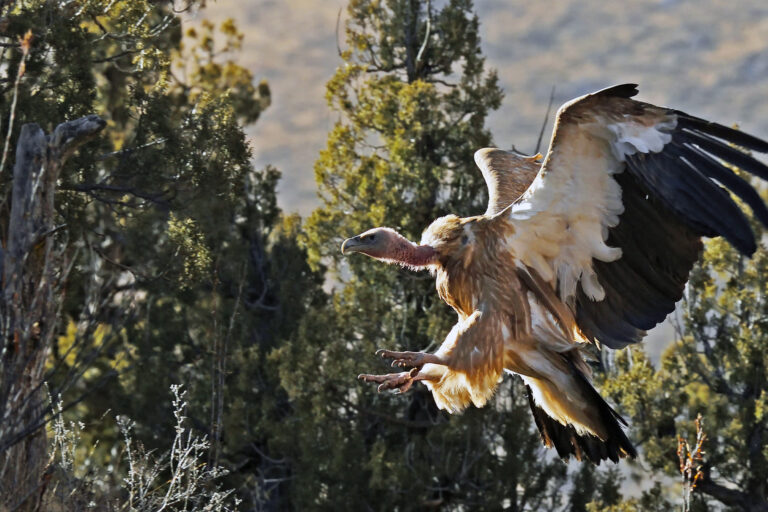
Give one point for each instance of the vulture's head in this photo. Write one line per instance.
(386, 244)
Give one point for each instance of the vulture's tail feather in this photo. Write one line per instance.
(568, 441)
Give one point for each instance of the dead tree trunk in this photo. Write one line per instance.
(32, 270)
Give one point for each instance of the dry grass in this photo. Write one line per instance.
(175, 480)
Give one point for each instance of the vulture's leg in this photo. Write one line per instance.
(402, 381)
(410, 359)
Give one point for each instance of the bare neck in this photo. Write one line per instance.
(411, 255)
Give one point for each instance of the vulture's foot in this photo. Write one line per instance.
(401, 382)
(409, 359)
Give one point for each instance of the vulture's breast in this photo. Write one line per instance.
(472, 268)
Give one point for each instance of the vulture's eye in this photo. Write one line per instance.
(372, 238)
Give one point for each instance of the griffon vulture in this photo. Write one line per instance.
(592, 244)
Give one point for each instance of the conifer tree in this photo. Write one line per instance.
(412, 95)
(177, 266)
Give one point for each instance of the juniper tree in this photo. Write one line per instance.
(411, 95)
(167, 231)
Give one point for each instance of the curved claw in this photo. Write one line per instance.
(401, 382)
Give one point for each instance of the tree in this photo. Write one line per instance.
(718, 368)
(176, 258)
(412, 95)
(32, 277)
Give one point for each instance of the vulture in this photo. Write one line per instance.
(591, 244)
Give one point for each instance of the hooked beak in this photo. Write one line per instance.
(353, 244)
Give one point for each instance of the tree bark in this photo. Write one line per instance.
(32, 274)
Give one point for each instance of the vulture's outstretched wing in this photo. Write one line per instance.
(507, 175)
(614, 217)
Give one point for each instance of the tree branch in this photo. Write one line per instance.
(730, 497)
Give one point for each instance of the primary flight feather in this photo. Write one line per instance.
(594, 244)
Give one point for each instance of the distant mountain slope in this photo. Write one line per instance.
(708, 57)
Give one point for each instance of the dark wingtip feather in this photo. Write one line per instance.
(618, 443)
(725, 152)
(731, 135)
(729, 180)
(619, 91)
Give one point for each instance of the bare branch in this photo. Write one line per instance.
(115, 57)
(546, 117)
(25, 46)
(338, 20)
(427, 33)
(159, 198)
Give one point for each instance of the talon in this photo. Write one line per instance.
(400, 381)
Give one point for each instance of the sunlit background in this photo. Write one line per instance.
(708, 57)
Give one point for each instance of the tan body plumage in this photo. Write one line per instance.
(592, 244)
(503, 325)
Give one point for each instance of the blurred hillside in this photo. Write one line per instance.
(708, 57)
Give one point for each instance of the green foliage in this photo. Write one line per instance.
(206, 76)
(181, 267)
(651, 500)
(190, 248)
